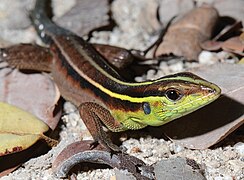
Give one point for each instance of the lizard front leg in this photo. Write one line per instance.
(93, 114)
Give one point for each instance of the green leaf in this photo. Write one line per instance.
(18, 129)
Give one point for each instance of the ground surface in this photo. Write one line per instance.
(222, 162)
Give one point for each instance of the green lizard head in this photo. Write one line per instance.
(166, 99)
(180, 94)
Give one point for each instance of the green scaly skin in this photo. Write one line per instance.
(164, 110)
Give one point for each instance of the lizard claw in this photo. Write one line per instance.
(109, 146)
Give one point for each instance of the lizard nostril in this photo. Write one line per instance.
(211, 91)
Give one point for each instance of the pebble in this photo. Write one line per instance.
(177, 67)
(176, 148)
(219, 166)
(140, 78)
(227, 57)
(73, 117)
(239, 147)
(223, 178)
(206, 57)
(151, 73)
(69, 107)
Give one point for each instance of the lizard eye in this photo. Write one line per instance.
(173, 95)
(146, 108)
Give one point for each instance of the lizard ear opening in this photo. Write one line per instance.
(146, 108)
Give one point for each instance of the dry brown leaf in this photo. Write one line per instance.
(80, 152)
(183, 38)
(228, 30)
(242, 38)
(217, 42)
(211, 45)
(234, 45)
(214, 122)
(7, 171)
(35, 93)
(85, 16)
(62, 163)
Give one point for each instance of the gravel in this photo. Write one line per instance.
(224, 161)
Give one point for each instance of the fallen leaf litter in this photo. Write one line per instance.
(222, 162)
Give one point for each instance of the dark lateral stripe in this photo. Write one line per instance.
(81, 61)
(85, 86)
